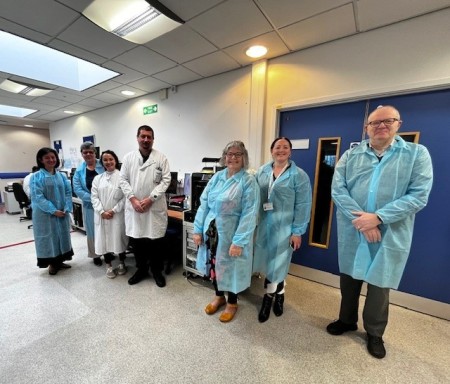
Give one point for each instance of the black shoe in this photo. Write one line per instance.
(278, 304)
(264, 313)
(160, 280)
(375, 346)
(64, 266)
(338, 327)
(137, 277)
(97, 261)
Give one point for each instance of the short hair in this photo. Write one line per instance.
(109, 152)
(44, 151)
(384, 106)
(87, 145)
(278, 139)
(241, 146)
(145, 128)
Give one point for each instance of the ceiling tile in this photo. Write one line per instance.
(181, 45)
(188, 9)
(178, 75)
(231, 22)
(36, 15)
(109, 98)
(149, 84)
(292, 11)
(127, 74)
(76, 51)
(144, 60)
(88, 36)
(24, 32)
(325, 27)
(373, 14)
(212, 64)
(91, 102)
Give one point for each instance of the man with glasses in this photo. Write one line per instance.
(378, 187)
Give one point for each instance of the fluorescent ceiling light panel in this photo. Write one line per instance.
(134, 20)
(25, 58)
(15, 111)
(23, 89)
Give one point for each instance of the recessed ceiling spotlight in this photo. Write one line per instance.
(128, 93)
(256, 51)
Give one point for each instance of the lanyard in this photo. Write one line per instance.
(272, 181)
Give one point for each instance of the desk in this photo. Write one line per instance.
(175, 214)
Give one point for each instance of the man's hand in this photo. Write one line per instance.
(365, 221)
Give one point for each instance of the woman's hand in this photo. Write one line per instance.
(235, 251)
(197, 238)
(295, 241)
(59, 214)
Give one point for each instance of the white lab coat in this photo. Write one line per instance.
(106, 195)
(149, 179)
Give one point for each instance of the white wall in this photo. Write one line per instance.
(195, 122)
(18, 148)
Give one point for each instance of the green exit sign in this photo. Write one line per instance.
(151, 109)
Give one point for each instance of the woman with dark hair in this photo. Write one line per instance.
(283, 219)
(223, 229)
(108, 202)
(82, 184)
(51, 199)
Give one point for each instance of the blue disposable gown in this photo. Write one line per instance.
(81, 190)
(51, 193)
(233, 202)
(291, 199)
(394, 188)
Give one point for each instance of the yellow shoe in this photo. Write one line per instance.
(214, 305)
(228, 314)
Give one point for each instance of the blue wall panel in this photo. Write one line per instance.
(428, 267)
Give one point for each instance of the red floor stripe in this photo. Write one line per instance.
(13, 245)
(23, 242)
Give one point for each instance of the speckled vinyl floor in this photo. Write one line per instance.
(80, 327)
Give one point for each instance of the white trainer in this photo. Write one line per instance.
(110, 273)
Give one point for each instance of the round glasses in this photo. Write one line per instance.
(386, 122)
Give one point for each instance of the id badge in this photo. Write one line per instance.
(268, 206)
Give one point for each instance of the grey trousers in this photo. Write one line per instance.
(91, 247)
(376, 306)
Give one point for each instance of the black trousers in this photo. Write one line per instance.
(110, 257)
(376, 306)
(148, 254)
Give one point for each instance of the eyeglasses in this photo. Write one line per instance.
(88, 153)
(236, 155)
(386, 122)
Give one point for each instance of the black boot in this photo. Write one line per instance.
(264, 313)
(278, 304)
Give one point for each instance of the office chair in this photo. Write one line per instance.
(24, 202)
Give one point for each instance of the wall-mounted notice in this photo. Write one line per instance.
(300, 144)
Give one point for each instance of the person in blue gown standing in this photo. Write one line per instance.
(82, 185)
(223, 229)
(378, 187)
(283, 219)
(51, 199)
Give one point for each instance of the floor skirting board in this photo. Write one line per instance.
(402, 299)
